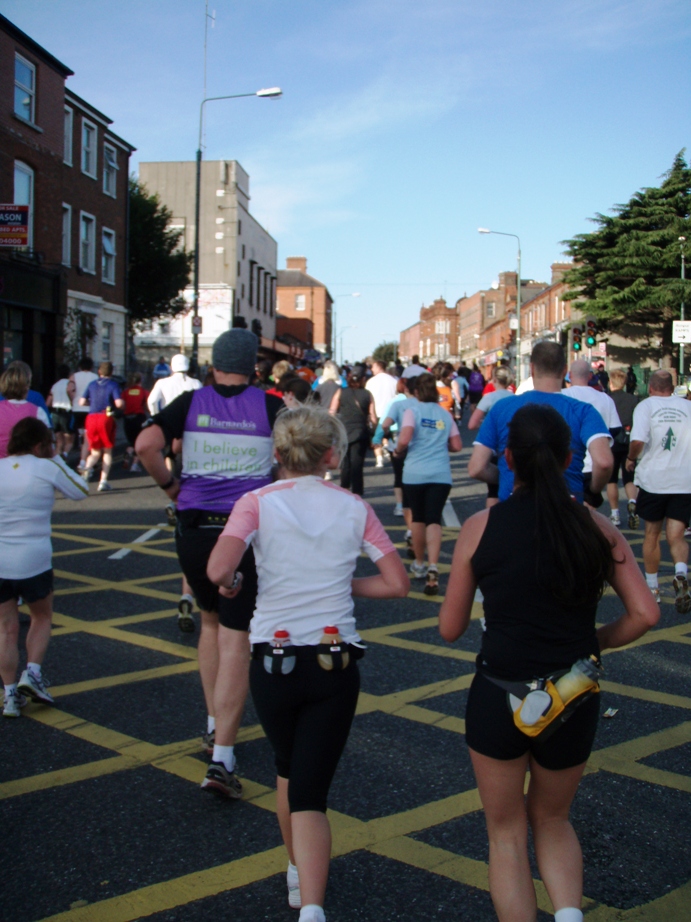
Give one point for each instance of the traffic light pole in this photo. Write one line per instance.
(682, 241)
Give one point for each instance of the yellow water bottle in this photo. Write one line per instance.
(580, 677)
(332, 639)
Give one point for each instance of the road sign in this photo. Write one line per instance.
(681, 331)
(196, 324)
(14, 225)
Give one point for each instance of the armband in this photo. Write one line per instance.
(167, 486)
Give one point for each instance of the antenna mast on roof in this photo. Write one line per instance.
(207, 16)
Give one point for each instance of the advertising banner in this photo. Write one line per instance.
(14, 225)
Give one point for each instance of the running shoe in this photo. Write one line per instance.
(171, 514)
(418, 570)
(87, 473)
(614, 519)
(13, 705)
(34, 687)
(104, 487)
(634, 520)
(294, 899)
(379, 462)
(81, 466)
(135, 468)
(185, 619)
(208, 742)
(398, 509)
(656, 593)
(682, 602)
(432, 584)
(222, 782)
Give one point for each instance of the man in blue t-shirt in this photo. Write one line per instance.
(588, 429)
(102, 397)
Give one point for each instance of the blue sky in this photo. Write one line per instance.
(404, 126)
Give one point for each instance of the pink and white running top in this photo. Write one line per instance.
(307, 536)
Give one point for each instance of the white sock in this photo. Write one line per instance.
(10, 690)
(681, 569)
(312, 913)
(651, 580)
(224, 754)
(34, 669)
(569, 914)
(210, 724)
(292, 876)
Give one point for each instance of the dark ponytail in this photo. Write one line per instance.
(540, 442)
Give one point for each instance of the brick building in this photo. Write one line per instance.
(300, 295)
(64, 294)
(409, 343)
(438, 333)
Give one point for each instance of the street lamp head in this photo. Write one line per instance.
(272, 93)
(484, 230)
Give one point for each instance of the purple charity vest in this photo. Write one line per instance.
(227, 449)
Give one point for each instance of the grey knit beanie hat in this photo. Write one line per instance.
(235, 352)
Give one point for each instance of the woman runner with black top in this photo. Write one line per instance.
(541, 561)
(355, 408)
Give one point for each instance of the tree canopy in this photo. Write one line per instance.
(386, 352)
(629, 268)
(158, 269)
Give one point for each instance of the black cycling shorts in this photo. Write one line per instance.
(397, 465)
(32, 589)
(426, 501)
(62, 420)
(306, 716)
(654, 507)
(133, 426)
(490, 730)
(620, 453)
(194, 545)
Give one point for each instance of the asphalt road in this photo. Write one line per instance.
(103, 820)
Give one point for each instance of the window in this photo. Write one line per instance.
(243, 251)
(24, 193)
(24, 90)
(87, 243)
(108, 256)
(89, 139)
(299, 302)
(69, 122)
(66, 234)
(239, 228)
(243, 289)
(239, 269)
(110, 170)
(106, 342)
(491, 310)
(421, 347)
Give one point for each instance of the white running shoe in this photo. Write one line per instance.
(13, 704)
(293, 881)
(81, 466)
(379, 462)
(614, 518)
(104, 487)
(398, 509)
(418, 570)
(34, 687)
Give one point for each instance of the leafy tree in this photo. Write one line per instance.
(628, 270)
(158, 269)
(386, 353)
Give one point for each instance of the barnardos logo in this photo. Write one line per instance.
(203, 421)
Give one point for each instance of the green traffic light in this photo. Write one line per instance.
(590, 341)
(576, 347)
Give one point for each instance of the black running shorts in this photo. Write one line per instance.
(490, 730)
(32, 589)
(194, 546)
(654, 507)
(426, 501)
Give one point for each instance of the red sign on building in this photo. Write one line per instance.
(14, 225)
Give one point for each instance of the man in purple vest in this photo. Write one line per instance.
(227, 451)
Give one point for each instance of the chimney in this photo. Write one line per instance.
(297, 262)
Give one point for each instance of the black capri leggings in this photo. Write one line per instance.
(397, 465)
(426, 501)
(352, 477)
(306, 716)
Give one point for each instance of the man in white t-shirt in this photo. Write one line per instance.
(580, 374)
(81, 379)
(660, 454)
(165, 390)
(382, 387)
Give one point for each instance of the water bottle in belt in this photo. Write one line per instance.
(276, 661)
(338, 655)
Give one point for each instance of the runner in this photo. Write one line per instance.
(226, 451)
(161, 369)
(387, 428)
(15, 405)
(29, 476)
(428, 433)
(102, 398)
(382, 387)
(355, 408)
(625, 403)
(82, 378)
(305, 707)
(501, 379)
(165, 390)
(659, 454)
(541, 562)
(60, 403)
(135, 397)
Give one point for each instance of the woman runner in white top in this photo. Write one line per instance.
(29, 476)
(307, 536)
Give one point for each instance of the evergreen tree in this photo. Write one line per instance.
(158, 270)
(385, 352)
(629, 268)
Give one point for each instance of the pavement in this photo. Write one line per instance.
(101, 812)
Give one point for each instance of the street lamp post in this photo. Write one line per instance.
(485, 230)
(272, 93)
(682, 241)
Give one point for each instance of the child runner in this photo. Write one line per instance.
(306, 711)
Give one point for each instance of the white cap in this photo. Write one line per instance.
(180, 362)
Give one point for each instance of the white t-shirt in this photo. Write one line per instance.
(82, 379)
(382, 387)
(165, 390)
(604, 405)
(59, 393)
(26, 502)
(663, 424)
(412, 371)
(307, 536)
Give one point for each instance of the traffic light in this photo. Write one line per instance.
(576, 336)
(590, 333)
